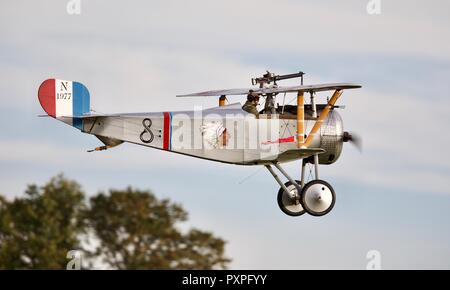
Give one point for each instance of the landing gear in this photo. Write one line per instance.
(290, 202)
(317, 197)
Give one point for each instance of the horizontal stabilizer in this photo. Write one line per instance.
(87, 116)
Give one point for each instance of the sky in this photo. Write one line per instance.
(394, 197)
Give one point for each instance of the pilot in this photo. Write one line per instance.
(252, 102)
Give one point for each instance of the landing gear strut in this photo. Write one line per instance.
(316, 197)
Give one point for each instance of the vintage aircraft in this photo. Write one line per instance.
(227, 133)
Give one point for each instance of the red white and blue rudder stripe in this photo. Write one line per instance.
(65, 100)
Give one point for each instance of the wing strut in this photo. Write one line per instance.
(300, 119)
(322, 117)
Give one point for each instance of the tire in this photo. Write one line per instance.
(283, 201)
(318, 197)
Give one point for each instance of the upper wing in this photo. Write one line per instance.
(244, 91)
(229, 92)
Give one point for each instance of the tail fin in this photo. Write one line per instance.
(66, 101)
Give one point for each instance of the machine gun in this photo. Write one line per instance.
(269, 77)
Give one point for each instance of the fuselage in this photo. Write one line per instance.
(225, 134)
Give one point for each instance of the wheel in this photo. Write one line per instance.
(287, 203)
(318, 197)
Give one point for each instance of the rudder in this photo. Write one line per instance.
(65, 100)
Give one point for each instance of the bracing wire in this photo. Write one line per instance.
(284, 103)
(250, 176)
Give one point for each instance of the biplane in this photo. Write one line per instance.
(309, 132)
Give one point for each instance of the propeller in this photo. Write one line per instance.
(353, 138)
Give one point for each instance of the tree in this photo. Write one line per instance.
(138, 231)
(133, 230)
(37, 230)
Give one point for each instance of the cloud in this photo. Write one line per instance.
(288, 26)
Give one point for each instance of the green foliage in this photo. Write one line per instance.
(37, 229)
(133, 230)
(137, 231)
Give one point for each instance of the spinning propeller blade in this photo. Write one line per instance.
(354, 139)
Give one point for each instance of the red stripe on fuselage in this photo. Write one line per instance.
(166, 130)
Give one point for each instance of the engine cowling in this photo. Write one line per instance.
(331, 138)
